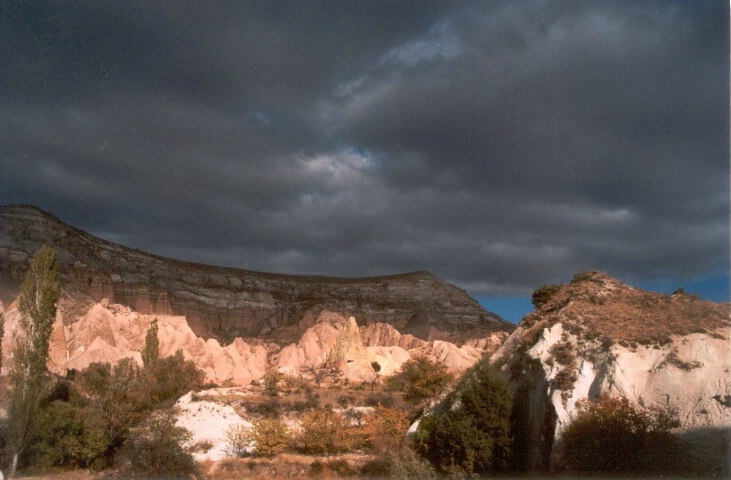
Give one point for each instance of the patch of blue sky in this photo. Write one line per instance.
(512, 309)
(715, 288)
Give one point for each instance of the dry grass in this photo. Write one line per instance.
(252, 402)
(287, 465)
(595, 306)
(283, 466)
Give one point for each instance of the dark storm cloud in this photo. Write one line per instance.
(498, 145)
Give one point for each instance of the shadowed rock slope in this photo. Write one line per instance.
(225, 303)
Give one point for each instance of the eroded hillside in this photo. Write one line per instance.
(225, 303)
(599, 337)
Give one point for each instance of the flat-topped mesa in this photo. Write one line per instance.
(225, 303)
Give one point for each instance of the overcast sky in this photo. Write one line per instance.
(499, 145)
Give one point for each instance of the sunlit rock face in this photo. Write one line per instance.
(225, 303)
(233, 323)
(599, 337)
(110, 332)
(336, 342)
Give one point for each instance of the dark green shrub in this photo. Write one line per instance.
(543, 294)
(421, 378)
(345, 400)
(171, 378)
(614, 436)
(377, 468)
(469, 433)
(405, 463)
(271, 382)
(117, 399)
(155, 449)
(64, 439)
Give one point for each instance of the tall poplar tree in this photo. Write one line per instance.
(39, 294)
(151, 352)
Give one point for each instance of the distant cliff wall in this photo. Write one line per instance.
(225, 303)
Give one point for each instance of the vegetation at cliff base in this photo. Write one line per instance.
(469, 433)
(39, 293)
(88, 418)
(421, 378)
(614, 436)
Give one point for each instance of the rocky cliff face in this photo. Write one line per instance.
(597, 336)
(225, 303)
(109, 332)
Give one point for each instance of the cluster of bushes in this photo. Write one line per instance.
(93, 417)
(328, 432)
(469, 433)
(612, 436)
(420, 379)
(321, 432)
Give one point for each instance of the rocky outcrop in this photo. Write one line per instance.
(361, 354)
(384, 335)
(313, 348)
(598, 337)
(225, 303)
(109, 332)
(348, 346)
(349, 356)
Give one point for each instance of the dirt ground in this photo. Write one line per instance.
(283, 466)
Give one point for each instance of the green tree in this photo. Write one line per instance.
(39, 294)
(269, 436)
(151, 351)
(323, 431)
(156, 448)
(65, 438)
(614, 436)
(385, 429)
(118, 399)
(171, 378)
(120, 396)
(421, 378)
(469, 433)
(271, 382)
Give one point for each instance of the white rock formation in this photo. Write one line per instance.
(690, 375)
(208, 421)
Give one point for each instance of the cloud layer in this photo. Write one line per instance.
(499, 145)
